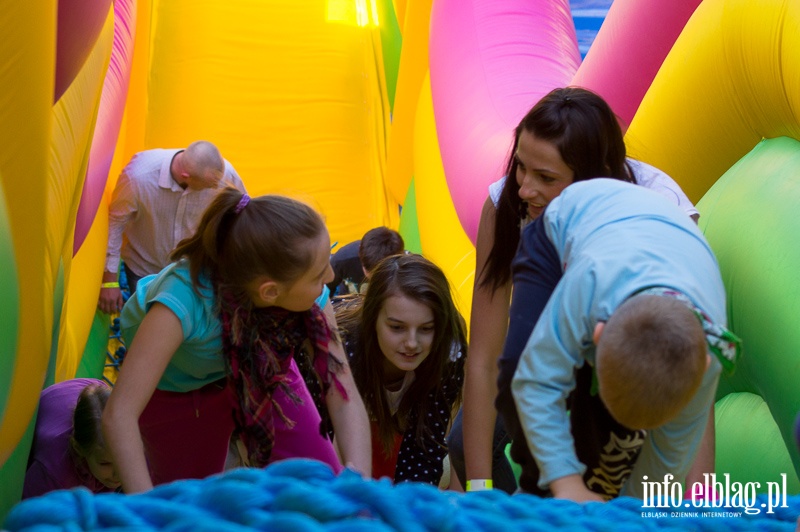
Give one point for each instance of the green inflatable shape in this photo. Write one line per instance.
(15, 466)
(12, 472)
(391, 43)
(9, 305)
(749, 444)
(409, 224)
(751, 219)
(93, 360)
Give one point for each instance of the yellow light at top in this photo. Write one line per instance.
(356, 12)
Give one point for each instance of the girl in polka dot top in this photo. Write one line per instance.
(407, 348)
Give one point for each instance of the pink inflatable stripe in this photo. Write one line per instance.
(109, 118)
(79, 25)
(490, 61)
(625, 56)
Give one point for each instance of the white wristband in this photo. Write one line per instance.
(479, 484)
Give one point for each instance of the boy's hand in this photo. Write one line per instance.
(572, 487)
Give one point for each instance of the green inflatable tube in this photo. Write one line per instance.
(391, 43)
(409, 223)
(750, 217)
(749, 444)
(9, 307)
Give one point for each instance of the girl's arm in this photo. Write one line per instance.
(349, 416)
(159, 335)
(489, 324)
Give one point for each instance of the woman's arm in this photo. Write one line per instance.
(489, 323)
(349, 416)
(159, 335)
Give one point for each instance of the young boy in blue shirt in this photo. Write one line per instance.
(623, 295)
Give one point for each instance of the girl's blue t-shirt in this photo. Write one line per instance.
(198, 361)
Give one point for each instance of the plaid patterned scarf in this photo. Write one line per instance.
(258, 344)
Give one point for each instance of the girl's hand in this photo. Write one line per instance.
(159, 335)
(349, 416)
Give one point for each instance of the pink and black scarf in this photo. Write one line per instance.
(259, 344)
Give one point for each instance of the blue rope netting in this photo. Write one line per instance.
(305, 496)
(114, 360)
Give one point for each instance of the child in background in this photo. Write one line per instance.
(68, 448)
(213, 339)
(407, 346)
(353, 262)
(627, 307)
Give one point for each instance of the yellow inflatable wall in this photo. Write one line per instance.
(27, 50)
(731, 79)
(289, 91)
(73, 125)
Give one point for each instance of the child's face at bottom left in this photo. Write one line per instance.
(101, 466)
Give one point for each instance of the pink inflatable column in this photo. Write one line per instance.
(625, 57)
(109, 118)
(490, 61)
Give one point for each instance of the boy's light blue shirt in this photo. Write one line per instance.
(613, 239)
(198, 361)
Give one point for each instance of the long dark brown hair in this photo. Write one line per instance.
(588, 137)
(419, 279)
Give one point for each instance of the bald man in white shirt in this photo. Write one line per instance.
(158, 201)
